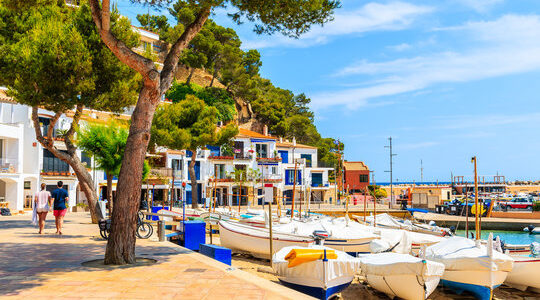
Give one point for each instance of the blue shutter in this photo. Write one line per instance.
(198, 170)
(299, 177)
(287, 177)
(284, 156)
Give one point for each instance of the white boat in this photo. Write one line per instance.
(387, 221)
(401, 275)
(255, 240)
(344, 235)
(470, 266)
(526, 271)
(321, 278)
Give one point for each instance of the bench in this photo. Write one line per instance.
(218, 253)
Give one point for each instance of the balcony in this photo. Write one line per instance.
(8, 165)
(221, 157)
(55, 173)
(242, 156)
(269, 159)
(161, 172)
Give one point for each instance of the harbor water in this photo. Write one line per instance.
(509, 237)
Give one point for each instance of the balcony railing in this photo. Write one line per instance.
(8, 165)
(221, 157)
(269, 159)
(323, 184)
(161, 172)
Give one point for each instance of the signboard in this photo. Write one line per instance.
(268, 193)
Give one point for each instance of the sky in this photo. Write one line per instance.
(447, 80)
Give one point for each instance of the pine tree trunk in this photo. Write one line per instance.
(212, 81)
(191, 71)
(109, 192)
(194, 190)
(121, 243)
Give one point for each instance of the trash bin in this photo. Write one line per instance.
(102, 209)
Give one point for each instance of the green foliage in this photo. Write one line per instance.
(377, 191)
(216, 97)
(53, 57)
(536, 206)
(189, 124)
(106, 143)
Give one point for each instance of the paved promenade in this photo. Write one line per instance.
(48, 266)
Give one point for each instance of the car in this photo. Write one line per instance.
(519, 202)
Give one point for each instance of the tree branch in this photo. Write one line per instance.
(139, 63)
(171, 62)
(48, 142)
(74, 125)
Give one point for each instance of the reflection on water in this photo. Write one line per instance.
(509, 237)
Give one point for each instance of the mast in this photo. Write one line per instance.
(391, 172)
(476, 220)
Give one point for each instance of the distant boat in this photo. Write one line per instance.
(318, 271)
(401, 275)
(470, 266)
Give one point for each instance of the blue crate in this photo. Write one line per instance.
(218, 253)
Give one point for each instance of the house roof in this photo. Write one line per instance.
(286, 144)
(5, 98)
(355, 166)
(252, 134)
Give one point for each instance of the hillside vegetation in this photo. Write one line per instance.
(218, 71)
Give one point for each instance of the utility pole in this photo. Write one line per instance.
(421, 171)
(372, 177)
(391, 172)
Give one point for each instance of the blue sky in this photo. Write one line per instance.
(446, 79)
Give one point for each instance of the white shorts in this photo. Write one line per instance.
(43, 209)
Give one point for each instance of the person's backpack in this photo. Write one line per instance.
(5, 211)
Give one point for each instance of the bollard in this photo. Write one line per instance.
(161, 231)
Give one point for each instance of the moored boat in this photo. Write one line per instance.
(318, 271)
(526, 271)
(470, 266)
(401, 275)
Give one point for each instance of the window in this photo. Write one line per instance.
(364, 178)
(307, 157)
(176, 164)
(220, 171)
(53, 164)
(238, 149)
(262, 150)
(289, 177)
(86, 159)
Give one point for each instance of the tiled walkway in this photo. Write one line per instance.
(49, 266)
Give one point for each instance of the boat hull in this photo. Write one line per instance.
(317, 291)
(255, 241)
(480, 283)
(405, 286)
(524, 274)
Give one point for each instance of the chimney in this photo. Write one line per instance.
(294, 141)
(265, 130)
(281, 139)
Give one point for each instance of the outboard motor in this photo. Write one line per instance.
(530, 227)
(453, 230)
(432, 223)
(319, 236)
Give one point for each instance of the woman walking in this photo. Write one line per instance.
(43, 205)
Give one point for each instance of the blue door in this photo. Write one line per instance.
(197, 171)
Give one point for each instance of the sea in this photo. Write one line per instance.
(509, 237)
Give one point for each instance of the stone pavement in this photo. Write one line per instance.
(49, 267)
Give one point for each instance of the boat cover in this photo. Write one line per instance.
(299, 256)
(459, 253)
(384, 264)
(312, 273)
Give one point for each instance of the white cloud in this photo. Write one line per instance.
(480, 5)
(370, 17)
(508, 45)
(400, 47)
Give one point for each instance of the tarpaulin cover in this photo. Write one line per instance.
(384, 264)
(313, 273)
(459, 253)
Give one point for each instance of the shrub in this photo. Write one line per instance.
(536, 206)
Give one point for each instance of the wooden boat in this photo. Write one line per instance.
(255, 240)
(318, 271)
(401, 275)
(526, 271)
(387, 221)
(470, 266)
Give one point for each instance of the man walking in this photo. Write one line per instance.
(60, 197)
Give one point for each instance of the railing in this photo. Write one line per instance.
(161, 172)
(269, 159)
(8, 165)
(221, 157)
(242, 156)
(324, 184)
